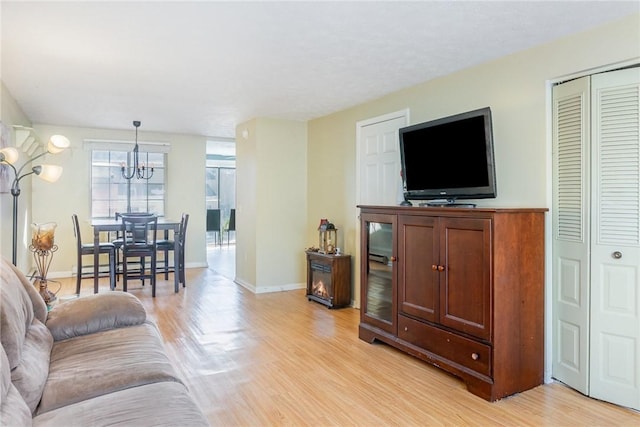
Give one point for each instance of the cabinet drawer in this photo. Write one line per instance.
(461, 350)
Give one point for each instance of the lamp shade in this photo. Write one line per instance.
(9, 155)
(49, 173)
(57, 143)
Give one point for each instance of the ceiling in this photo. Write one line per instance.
(203, 67)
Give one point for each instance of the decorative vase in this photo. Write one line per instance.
(43, 247)
(42, 235)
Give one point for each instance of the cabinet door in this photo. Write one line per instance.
(465, 279)
(378, 275)
(417, 277)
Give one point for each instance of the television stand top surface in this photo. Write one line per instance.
(447, 205)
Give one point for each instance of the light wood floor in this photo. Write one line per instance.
(279, 360)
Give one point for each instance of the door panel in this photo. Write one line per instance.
(465, 282)
(615, 251)
(380, 162)
(417, 282)
(378, 275)
(570, 260)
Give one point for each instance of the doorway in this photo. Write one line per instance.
(221, 204)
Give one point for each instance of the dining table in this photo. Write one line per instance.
(103, 225)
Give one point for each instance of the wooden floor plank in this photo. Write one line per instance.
(277, 359)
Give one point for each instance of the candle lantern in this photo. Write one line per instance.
(327, 237)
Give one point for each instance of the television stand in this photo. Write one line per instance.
(447, 203)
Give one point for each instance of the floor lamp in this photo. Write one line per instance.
(50, 173)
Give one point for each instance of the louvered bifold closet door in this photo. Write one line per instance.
(570, 261)
(615, 244)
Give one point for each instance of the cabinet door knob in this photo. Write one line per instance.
(441, 268)
(475, 356)
(393, 259)
(406, 328)
(434, 267)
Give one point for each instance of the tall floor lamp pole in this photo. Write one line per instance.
(50, 173)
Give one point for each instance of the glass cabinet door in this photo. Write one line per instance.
(378, 275)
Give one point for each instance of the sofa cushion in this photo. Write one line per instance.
(13, 409)
(25, 339)
(159, 404)
(38, 304)
(30, 376)
(95, 313)
(105, 362)
(16, 314)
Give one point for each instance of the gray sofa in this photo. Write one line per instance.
(91, 361)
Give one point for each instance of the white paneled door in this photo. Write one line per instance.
(615, 244)
(378, 167)
(379, 160)
(596, 248)
(571, 179)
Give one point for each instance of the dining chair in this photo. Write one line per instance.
(231, 225)
(117, 241)
(165, 246)
(139, 240)
(89, 249)
(213, 224)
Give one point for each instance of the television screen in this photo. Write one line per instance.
(449, 158)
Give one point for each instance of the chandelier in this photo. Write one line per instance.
(138, 170)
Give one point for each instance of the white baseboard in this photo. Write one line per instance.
(72, 273)
(268, 289)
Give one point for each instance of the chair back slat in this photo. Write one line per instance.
(139, 231)
(76, 231)
(183, 229)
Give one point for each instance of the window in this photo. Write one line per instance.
(111, 193)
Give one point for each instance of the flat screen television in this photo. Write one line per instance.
(449, 158)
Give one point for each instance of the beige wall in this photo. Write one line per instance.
(516, 89)
(271, 169)
(246, 203)
(11, 114)
(71, 193)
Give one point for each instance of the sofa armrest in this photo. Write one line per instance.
(95, 313)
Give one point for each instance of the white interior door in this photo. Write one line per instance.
(570, 261)
(377, 169)
(379, 160)
(615, 256)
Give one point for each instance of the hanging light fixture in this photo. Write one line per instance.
(138, 170)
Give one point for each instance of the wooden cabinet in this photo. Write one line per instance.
(329, 279)
(467, 292)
